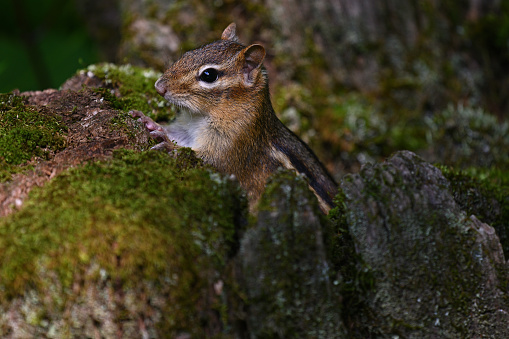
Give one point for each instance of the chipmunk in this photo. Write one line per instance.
(228, 120)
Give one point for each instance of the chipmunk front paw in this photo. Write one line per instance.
(157, 132)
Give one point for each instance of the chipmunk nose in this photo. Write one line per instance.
(161, 87)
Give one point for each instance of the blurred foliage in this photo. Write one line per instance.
(488, 39)
(465, 136)
(349, 129)
(42, 43)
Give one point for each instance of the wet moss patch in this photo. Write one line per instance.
(26, 132)
(143, 222)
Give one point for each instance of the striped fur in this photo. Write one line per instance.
(230, 123)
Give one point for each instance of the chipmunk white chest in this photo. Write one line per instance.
(189, 129)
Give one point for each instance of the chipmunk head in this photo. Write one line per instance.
(215, 78)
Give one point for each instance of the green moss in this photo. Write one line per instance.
(285, 268)
(485, 194)
(25, 133)
(357, 278)
(141, 218)
(135, 88)
(339, 240)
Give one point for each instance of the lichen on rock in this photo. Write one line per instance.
(436, 271)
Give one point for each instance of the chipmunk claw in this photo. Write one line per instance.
(159, 135)
(164, 146)
(150, 124)
(136, 114)
(156, 131)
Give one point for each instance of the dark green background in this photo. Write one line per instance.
(42, 43)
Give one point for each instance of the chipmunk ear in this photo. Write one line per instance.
(229, 33)
(253, 57)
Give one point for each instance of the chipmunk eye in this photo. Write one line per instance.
(209, 75)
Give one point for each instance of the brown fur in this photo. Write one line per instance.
(231, 124)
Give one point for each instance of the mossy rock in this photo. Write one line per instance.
(291, 291)
(26, 132)
(428, 269)
(485, 194)
(134, 246)
(125, 87)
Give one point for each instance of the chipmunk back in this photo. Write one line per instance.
(227, 118)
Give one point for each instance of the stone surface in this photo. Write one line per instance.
(291, 291)
(434, 271)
